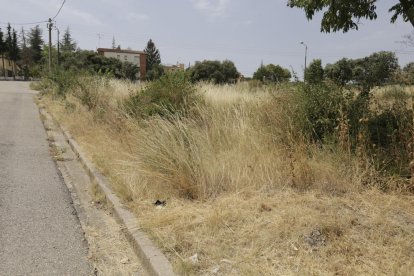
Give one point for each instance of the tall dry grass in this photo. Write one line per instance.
(245, 190)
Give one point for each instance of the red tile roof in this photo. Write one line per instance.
(120, 51)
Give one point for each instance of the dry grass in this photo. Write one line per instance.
(243, 192)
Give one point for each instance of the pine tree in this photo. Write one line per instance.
(36, 43)
(14, 52)
(153, 55)
(68, 45)
(8, 41)
(2, 50)
(26, 57)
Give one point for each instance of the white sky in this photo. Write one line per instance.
(185, 31)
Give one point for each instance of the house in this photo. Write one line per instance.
(9, 67)
(137, 58)
(174, 67)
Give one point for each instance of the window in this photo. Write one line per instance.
(125, 57)
(118, 57)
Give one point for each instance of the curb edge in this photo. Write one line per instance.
(153, 260)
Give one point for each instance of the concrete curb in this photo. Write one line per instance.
(153, 260)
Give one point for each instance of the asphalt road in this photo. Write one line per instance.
(40, 233)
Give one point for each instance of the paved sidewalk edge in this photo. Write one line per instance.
(153, 260)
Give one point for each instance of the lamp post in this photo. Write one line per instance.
(306, 53)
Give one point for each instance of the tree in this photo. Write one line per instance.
(129, 71)
(25, 55)
(36, 43)
(314, 72)
(406, 75)
(68, 45)
(92, 62)
(339, 72)
(2, 50)
(8, 40)
(273, 73)
(229, 71)
(409, 73)
(345, 14)
(14, 52)
(156, 72)
(214, 71)
(376, 69)
(8, 43)
(153, 55)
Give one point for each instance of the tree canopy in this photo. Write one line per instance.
(272, 73)
(68, 44)
(214, 71)
(314, 72)
(340, 72)
(93, 62)
(9, 40)
(376, 69)
(346, 14)
(36, 43)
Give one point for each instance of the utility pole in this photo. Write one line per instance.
(99, 39)
(50, 25)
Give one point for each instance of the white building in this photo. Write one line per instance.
(137, 58)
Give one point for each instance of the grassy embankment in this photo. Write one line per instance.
(257, 180)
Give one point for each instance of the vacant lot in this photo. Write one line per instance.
(247, 191)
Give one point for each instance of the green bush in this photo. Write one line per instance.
(171, 94)
(62, 81)
(390, 133)
(317, 109)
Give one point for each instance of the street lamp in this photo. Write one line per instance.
(306, 53)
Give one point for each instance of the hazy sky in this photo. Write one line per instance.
(185, 31)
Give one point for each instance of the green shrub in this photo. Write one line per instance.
(390, 133)
(173, 93)
(59, 82)
(317, 110)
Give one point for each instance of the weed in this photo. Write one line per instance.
(248, 174)
(171, 94)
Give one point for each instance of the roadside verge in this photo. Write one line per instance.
(153, 260)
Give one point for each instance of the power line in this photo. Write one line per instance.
(22, 24)
(37, 22)
(63, 3)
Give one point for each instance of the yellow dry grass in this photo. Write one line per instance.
(242, 192)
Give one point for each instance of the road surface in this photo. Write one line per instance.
(40, 233)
